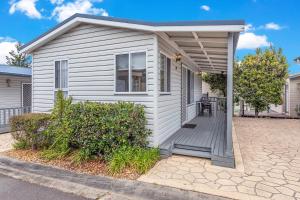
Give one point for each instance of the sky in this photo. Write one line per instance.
(268, 22)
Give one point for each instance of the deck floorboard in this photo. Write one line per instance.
(208, 135)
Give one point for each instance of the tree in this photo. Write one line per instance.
(217, 82)
(260, 78)
(17, 58)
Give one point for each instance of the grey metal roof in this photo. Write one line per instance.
(14, 70)
(294, 75)
(155, 24)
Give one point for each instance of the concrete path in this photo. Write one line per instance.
(6, 142)
(13, 189)
(270, 152)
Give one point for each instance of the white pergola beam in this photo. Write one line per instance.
(186, 48)
(175, 46)
(202, 47)
(190, 39)
(209, 55)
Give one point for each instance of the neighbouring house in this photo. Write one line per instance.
(291, 105)
(15, 93)
(157, 65)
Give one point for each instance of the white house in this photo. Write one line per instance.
(15, 92)
(154, 64)
(291, 105)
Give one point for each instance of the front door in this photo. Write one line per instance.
(26, 95)
(183, 95)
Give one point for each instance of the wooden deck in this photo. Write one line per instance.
(206, 140)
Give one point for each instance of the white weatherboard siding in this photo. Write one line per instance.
(10, 97)
(169, 105)
(90, 51)
(294, 95)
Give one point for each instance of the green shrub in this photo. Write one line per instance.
(99, 128)
(21, 144)
(59, 131)
(138, 159)
(28, 129)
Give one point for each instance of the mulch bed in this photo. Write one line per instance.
(92, 167)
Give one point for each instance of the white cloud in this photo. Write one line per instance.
(25, 6)
(6, 45)
(249, 27)
(205, 7)
(252, 41)
(57, 1)
(272, 26)
(62, 12)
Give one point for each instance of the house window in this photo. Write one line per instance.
(190, 87)
(131, 72)
(61, 76)
(165, 73)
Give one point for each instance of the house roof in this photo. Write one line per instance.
(220, 25)
(294, 75)
(14, 70)
(203, 43)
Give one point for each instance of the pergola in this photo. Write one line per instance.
(212, 52)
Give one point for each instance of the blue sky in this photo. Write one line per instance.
(273, 22)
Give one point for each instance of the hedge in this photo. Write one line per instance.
(28, 129)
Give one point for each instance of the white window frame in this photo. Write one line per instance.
(191, 89)
(62, 89)
(130, 73)
(166, 74)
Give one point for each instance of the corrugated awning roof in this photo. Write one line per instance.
(14, 70)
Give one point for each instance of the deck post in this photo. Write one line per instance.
(229, 113)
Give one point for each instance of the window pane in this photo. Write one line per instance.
(188, 86)
(162, 72)
(138, 66)
(168, 74)
(192, 87)
(64, 74)
(57, 74)
(122, 73)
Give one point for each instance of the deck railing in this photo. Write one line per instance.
(7, 113)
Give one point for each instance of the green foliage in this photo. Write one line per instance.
(59, 131)
(21, 144)
(17, 58)
(259, 79)
(94, 128)
(99, 128)
(138, 159)
(28, 129)
(217, 82)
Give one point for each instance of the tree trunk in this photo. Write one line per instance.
(256, 113)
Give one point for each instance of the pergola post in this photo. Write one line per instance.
(229, 95)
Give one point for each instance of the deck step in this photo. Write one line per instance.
(194, 148)
(187, 152)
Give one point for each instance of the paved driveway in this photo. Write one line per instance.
(269, 169)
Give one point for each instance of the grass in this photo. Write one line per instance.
(136, 159)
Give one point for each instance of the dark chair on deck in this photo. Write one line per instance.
(205, 105)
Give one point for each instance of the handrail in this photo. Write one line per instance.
(7, 113)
